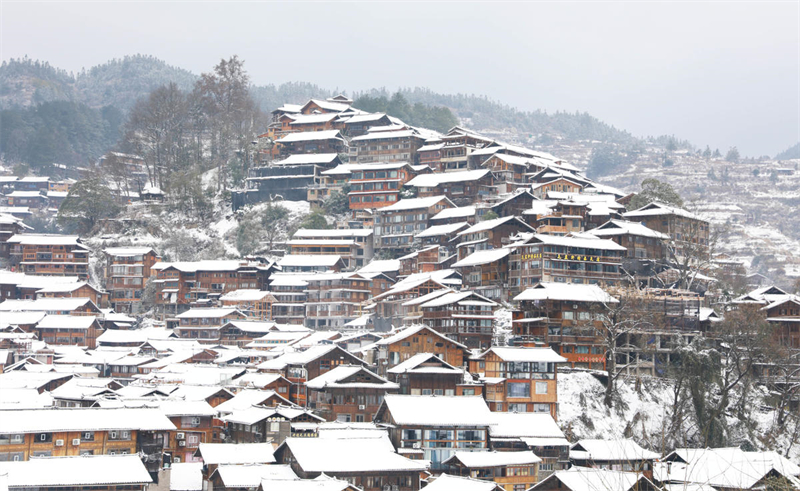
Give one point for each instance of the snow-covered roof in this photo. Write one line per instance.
(493, 459)
(236, 453)
(445, 229)
(414, 410)
(298, 260)
(524, 354)
(525, 425)
(433, 180)
(186, 476)
(307, 233)
(496, 222)
(458, 297)
(78, 472)
(246, 398)
(410, 331)
(462, 212)
(207, 265)
(210, 312)
(45, 239)
(83, 419)
(337, 378)
(590, 479)
(333, 455)
(657, 209)
(307, 158)
(584, 241)
(381, 135)
(67, 322)
(303, 136)
(447, 482)
(244, 295)
(418, 359)
(624, 227)
(127, 251)
(381, 266)
(250, 476)
(45, 304)
(724, 468)
(478, 258)
(566, 292)
(610, 450)
(416, 203)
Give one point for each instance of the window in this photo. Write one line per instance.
(541, 387)
(541, 408)
(519, 389)
(44, 438)
(11, 439)
(518, 408)
(87, 436)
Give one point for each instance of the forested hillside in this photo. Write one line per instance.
(38, 132)
(792, 152)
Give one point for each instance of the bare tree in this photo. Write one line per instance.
(232, 115)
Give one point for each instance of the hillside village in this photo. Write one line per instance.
(384, 307)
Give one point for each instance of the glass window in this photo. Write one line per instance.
(541, 387)
(519, 390)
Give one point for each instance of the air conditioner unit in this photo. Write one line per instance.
(416, 445)
(177, 460)
(180, 436)
(76, 442)
(361, 407)
(182, 443)
(59, 443)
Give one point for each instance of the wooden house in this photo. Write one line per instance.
(49, 254)
(411, 341)
(581, 479)
(486, 272)
(69, 330)
(127, 271)
(348, 393)
(371, 464)
(529, 378)
(510, 470)
(464, 316)
(80, 289)
(437, 425)
(687, 230)
(312, 142)
(426, 374)
(565, 317)
(119, 473)
(490, 234)
(255, 304)
(386, 144)
(463, 188)
(27, 433)
(396, 225)
(619, 454)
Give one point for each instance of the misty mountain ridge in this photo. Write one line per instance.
(121, 82)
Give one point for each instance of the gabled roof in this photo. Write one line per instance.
(412, 410)
(414, 364)
(446, 229)
(304, 136)
(416, 203)
(624, 227)
(610, 450)
(76, 472)
(566, 292)
(585, 241)
(461, 298)
(433, 180)
(306, 159)
(460, 212)
(250, 476)
(334, 455)
(658, 209)
(410, 331)
(82, 419)
(339, 377)
(231, 453)
(586, 479)
(483, 257)
(522, 354)
(494, 223)
(447, 482)
(473, 460)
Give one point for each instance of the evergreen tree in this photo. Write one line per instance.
(655, 190)
(88, 202)
(732, 155)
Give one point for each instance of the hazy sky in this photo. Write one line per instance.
(718, 73)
